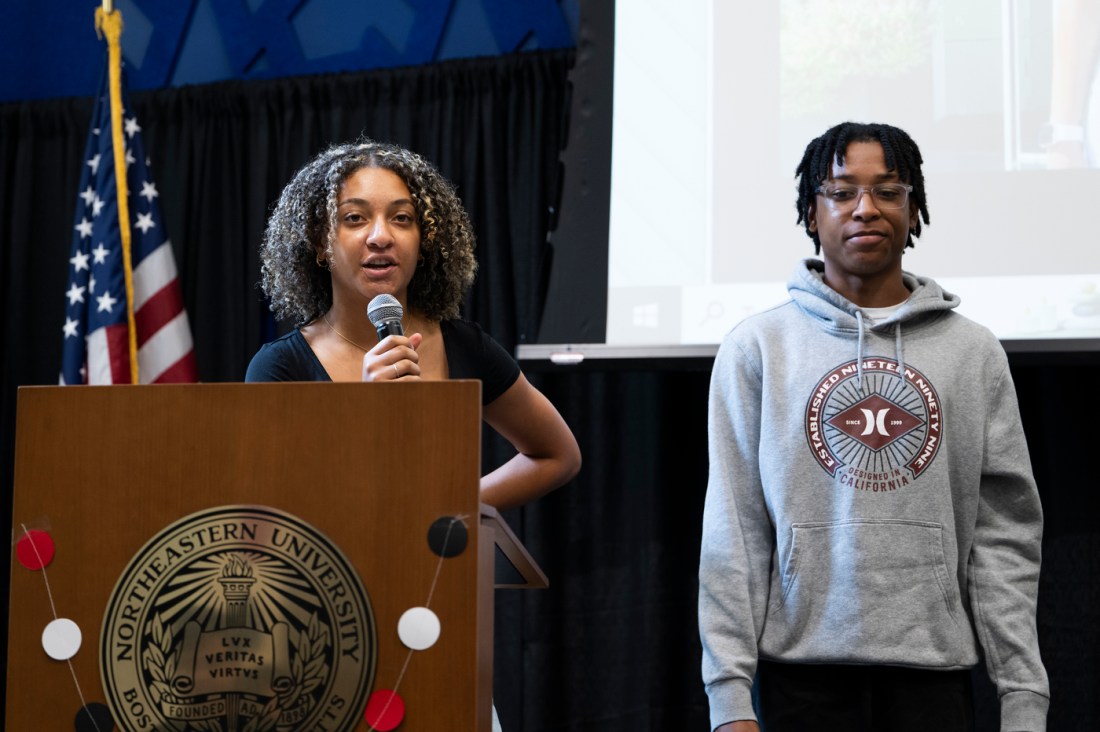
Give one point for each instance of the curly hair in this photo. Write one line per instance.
(303, 223)
(902, 155)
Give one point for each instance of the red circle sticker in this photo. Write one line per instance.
(34, 549)
(385, 710)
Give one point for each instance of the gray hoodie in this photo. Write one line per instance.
(870, 499)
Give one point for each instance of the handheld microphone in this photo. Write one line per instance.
(385, 314)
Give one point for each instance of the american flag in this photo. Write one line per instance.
(96, 330)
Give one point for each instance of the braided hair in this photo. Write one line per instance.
(902, 155)
(303, 224)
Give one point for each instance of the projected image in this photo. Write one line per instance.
(1012, 85)
(1072, 134)
(1003, 97)
(864, 48)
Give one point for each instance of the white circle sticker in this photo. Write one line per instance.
(418, 628)
(61, 639)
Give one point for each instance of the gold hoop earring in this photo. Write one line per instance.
(322, 262)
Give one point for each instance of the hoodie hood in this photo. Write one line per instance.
(836, 314)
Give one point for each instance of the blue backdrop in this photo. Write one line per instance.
(52, 51)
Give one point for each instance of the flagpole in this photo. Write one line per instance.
(109, 22)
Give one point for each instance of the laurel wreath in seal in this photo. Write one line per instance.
(308, 669)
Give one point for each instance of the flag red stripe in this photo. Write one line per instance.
(118, 352)
(183, 371)
(158, 311)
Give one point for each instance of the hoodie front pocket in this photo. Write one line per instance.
(875, 589)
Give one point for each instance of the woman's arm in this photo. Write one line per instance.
(743, 726)
(548, 455)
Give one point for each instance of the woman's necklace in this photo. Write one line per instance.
(333, 329)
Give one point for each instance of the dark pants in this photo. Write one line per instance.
(807, 698)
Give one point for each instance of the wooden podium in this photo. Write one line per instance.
(159, 501)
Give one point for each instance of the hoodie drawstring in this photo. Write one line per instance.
(901, 363)
(859, 349)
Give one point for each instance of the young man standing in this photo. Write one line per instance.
(872, 528)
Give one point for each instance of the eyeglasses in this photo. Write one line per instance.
(885, 195)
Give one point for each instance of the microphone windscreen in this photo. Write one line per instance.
(384, 308)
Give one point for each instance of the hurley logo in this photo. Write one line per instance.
(877, 434)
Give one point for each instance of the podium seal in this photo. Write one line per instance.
(238, 619)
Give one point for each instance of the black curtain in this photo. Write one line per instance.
(613, 644)
(220, 155)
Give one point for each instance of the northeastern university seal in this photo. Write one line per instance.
(238, 619)
(877, 435)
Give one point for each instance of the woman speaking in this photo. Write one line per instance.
(368, 219)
